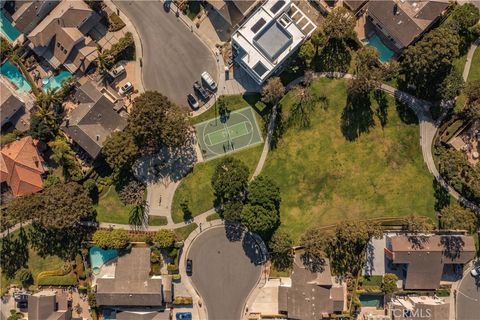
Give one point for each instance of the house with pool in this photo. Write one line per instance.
(124, 287)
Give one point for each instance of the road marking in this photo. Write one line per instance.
(468, 297)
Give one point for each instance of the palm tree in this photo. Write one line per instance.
(138, 216)
(48, 117)
(50, 99)
(104, 60)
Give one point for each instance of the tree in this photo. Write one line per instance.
(5, 48)
(264, 192)
(451, 85)
(63, 206)
(133, 193)
(389, 283)
(24, 276)
(273, 91)
(24, 208)
(465, 16)
(155, 122)
(319, 39)
(367, 70)
(314, 241)
(259, 219)
(164, 238)
(304, 105)
(429, 61)
(307, 53)
(137, 215)
(230, 180)
(43, 125)
(281, 250)
(418, 224)
(458, 218)
(91, 188)
(120, 150)
(64, 156)
(111, 239)
(49, 100)
(232, 211)
(472, 107)
(339, 24)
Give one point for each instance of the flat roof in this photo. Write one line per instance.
(273, 40)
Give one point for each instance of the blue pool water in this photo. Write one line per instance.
(55, 82)
(99, 256)
(371, 300)
(384, 52)
(6, 28)
(10, 71)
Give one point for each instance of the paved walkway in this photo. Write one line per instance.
(468, 63)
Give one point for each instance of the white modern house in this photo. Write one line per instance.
(271, 34)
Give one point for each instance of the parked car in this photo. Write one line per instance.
(125, 88)
(184, 316)
(475, 271)
(192, 102)
(200, 91)
(189, 268)
(117, 71)
(208, 80)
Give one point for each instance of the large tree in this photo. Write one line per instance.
(472, 107)
(339, 24)
(307, 53)
(367, 70)
(63, 206)
(465, 16)
(230, 180)
(418, 224)
(315, 242)
(259, 219)
(264, 192)
(281, 250)
(458, 218)
(429, 61)
(120, 150)
(64, 156)
(273, 91)
(156, 122)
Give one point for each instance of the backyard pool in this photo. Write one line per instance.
(10, 71)
(6, 28)
(55, 82)
(384, 52)
(371, 300)
(99, 256)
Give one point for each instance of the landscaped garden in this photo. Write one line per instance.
(346, 165)
(111, 209)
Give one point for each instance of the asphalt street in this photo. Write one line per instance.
(468, 299)
(173, 57)
(223, 273)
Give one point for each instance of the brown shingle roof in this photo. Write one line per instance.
(22, 166)
(9, 103)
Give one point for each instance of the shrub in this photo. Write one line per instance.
(24, 276)
(182, 300)
(164, 238)
(172, 269)
(177, 277)
(115, 239)
(115, 23)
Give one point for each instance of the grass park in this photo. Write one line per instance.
(325, 176)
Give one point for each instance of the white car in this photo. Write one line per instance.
(125, 88)
(208, 80)
(117, 71)
(475, 271)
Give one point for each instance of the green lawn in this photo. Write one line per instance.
(157, 221)
(196, 186)
(474, 73)
(325, 178)
(182, 233)
(213, 216)
(110, 208)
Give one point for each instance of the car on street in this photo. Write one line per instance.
(189, 267)
(117, 71)
(192, 102)
(200, 91)
(475, 271)
(127, 87)
(184, 316)
(208, 80)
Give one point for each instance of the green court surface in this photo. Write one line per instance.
(222, 135)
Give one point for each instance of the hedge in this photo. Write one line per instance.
(66, 280)
(182, 300)
(115, 23)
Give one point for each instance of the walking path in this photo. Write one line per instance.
(468, 63)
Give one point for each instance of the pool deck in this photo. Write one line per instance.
(107, 270)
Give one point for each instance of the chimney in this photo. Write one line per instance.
(395, 9)
(98, 137)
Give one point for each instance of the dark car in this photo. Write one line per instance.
(192, 102)
(184, 316)
(189, 267)
(200, 91)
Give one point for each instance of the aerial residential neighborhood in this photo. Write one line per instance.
(240, 159)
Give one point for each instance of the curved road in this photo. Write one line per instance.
(173, 57)
(223, 272)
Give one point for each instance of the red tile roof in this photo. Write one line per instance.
(21, 167)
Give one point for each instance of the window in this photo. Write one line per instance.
(274, 9)
(258, 25)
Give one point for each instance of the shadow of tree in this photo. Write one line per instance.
(406, 114)
(313, 263)
(335, 56)
(357, 116)
(252, 249)
(417, 240)
(382, 108)
(442, 197)
(453, 246)
(234, 231)
(14, 253)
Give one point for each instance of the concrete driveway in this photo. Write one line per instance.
(224, 272)
(468, 298)
(173, 57)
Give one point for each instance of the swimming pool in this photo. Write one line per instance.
(55, 82)
(384, 52)
(371, 300)
(99, 256)
(6, 28)
(10, 71)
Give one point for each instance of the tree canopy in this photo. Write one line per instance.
(264, 192)
(164, 238)
(339, 24)
(111, 239)
(259, 219)
(458, 218)
(156, 122)
(273, 91)
(281, 250)
(230, 180)
(120, 150)
(472, 107)
(465, 16)
(315, 242)
(418, 224)
(389, 283)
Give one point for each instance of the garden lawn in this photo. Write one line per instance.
(325, 179)
(182, 233)
(157, 221)
(474, 73)
(196, 187)
(110, 209)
